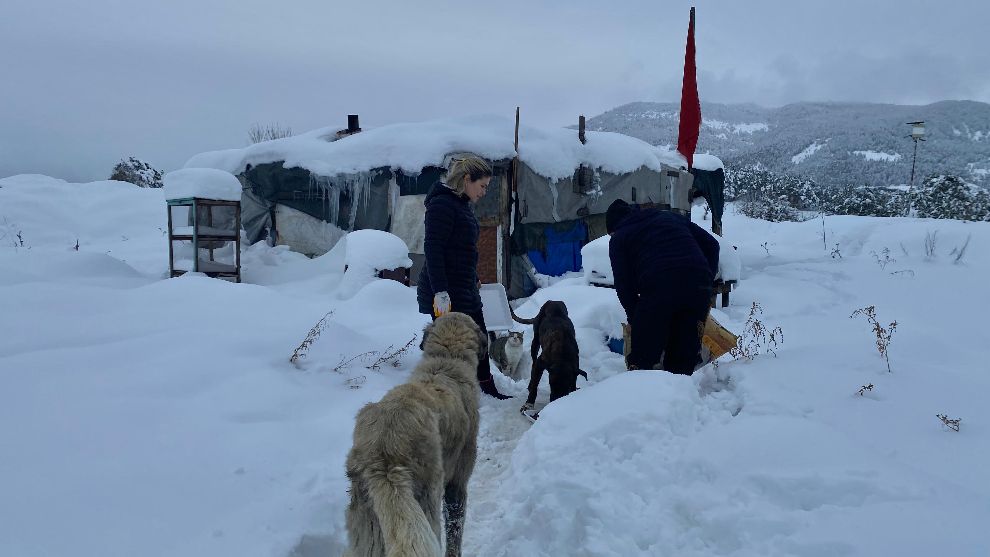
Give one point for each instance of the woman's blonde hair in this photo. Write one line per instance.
(467, 166)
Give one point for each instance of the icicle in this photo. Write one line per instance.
(553, 191)
(321, 187)
(393, 195)
(357, 186)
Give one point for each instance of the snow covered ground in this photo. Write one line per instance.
(141, 415)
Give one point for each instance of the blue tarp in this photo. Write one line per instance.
(563, 250)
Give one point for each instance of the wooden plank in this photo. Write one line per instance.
(717, 338)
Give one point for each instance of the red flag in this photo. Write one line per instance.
(690, 124)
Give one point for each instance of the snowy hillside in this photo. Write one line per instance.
(834, 144)
(162, 417)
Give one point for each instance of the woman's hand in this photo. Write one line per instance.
(441, 303)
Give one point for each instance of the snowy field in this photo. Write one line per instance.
(148, 416)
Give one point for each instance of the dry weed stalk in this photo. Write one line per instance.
(756, 336)
(864, 388)
(314, 333)
(391, 356)
(378, 358)
(883, 334)
(356, 382)
(931, 240)
(949, 422)
(346, 362)
(959, 251)
(886, 260)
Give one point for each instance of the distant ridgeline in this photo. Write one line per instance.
(833, 144)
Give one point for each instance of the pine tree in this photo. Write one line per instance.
(949, 197)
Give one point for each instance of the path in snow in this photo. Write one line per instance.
(500, 430)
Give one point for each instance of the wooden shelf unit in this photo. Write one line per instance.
(205, 232)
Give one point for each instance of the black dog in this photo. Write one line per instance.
(554, 349)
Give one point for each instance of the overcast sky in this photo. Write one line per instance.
(88, 83)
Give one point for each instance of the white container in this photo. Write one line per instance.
(495, 307)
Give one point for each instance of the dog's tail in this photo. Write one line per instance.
(406, 530)
(518, 319)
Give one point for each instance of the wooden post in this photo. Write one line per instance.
(506, 261)
(581, 130)
(515, 160)
(171, 256)
(195, 210)
(516, 141)
(237, 240)
(209, 224)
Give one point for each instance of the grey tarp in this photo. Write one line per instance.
(349, 202)
(542, 200)
(256, 216)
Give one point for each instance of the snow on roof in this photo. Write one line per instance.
(206, 183)
(554, 152)
(707, 162)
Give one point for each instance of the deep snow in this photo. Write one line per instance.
(149, 416)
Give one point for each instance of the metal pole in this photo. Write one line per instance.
(910, 200)
(913, 159)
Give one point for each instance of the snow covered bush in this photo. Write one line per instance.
(768, 196)
(137, 172)
(773, 210)
(866, 201)
(949, 197)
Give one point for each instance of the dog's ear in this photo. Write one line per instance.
(426, 332)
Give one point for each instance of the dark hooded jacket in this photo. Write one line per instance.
(652, 249)
(451, 247)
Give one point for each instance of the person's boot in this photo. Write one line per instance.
(488, 387)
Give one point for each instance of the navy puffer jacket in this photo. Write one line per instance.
(451, 247)
(652, 249)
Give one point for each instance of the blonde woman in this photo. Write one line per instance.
(449, 280)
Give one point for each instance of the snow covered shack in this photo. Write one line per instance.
(541, 207)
